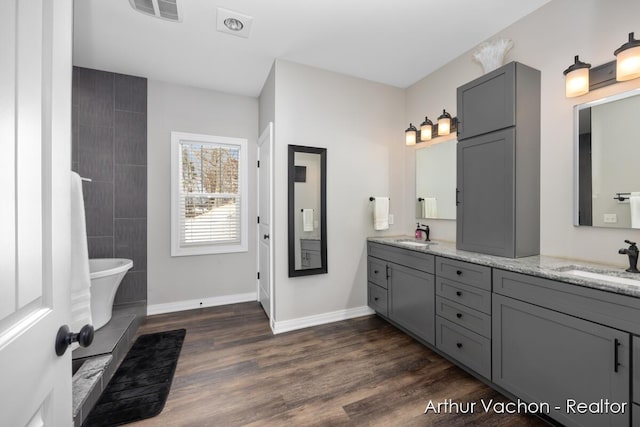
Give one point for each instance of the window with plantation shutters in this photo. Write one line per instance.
(209, 194)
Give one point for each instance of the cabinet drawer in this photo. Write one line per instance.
(377, 297)
(310, 244)
(464, 272)
(607, 308)
(466, 295)
(467, 347)
(466, 317)
(377, 271)
(408, 258)
(636, 372)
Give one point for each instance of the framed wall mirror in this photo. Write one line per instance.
(436, 181)
(307, 210)
(607, 149)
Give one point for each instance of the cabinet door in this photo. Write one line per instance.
(412, 301)
(636, 371)
(541, 355)
(486, 182)
(487, 104)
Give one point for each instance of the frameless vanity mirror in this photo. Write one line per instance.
(607, 140)
(307, 210)
(436, 181)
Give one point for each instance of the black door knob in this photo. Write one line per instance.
(64, 338)
(458, 293)
(266, 237)
(459, 345)
(458, 315)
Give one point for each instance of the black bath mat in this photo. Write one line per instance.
(140, 386)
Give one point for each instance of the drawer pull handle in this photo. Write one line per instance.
(459, 272)
(459, 345)
(616, 344)
(458, 315)
(459, 293)
(375, 272)
(375, 299)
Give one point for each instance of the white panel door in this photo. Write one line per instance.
(265, 230)
(35, 142)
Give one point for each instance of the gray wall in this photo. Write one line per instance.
(176, 280)
(591, 28)
(267, 101)
(110, 147)
(361, 125)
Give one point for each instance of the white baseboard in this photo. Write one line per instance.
(320, 319)
(171, 307)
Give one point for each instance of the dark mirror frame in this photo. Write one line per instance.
(293, 149)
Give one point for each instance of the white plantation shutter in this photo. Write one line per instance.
(209, 175)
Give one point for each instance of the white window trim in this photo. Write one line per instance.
(176, 250)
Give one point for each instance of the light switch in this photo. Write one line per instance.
(610, 218)
(390, 219)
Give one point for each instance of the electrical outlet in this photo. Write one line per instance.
(390, 219)
(610, 218)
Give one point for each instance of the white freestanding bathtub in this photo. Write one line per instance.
(106, 275)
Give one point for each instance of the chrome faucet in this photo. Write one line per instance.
(632, 252)
(424, 230)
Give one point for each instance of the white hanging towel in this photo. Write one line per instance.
(634, 205)
(381, 213)
(430, 207)
(307, 219)
(80, 280)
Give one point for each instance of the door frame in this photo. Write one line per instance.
(267, 136)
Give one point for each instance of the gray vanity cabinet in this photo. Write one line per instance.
(541, 355)
(498, 163)
(310, 253)
(463, 313)
(402, 288)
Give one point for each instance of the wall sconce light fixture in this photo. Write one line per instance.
(445, 126)
(577, 78)
(628, 60)
(410, 135)
(444, 123)
(580, 78)
(426, 129)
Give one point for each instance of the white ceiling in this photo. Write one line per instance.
(393, 42)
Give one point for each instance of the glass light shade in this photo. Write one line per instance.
(410, 135)
(577, 82)
(425, 133)
(426, 130)
(628, 64)
(576, 78)
(444, 125)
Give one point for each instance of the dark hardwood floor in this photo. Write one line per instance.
(361, 372)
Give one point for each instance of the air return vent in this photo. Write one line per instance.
(163, 9)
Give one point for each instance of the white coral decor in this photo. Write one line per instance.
(491, 54)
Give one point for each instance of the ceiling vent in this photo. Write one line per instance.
(163, 9)
(234, 23)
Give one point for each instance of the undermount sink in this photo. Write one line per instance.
(414, 243)
(602, 276)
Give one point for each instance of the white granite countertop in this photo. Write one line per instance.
(539, 265)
